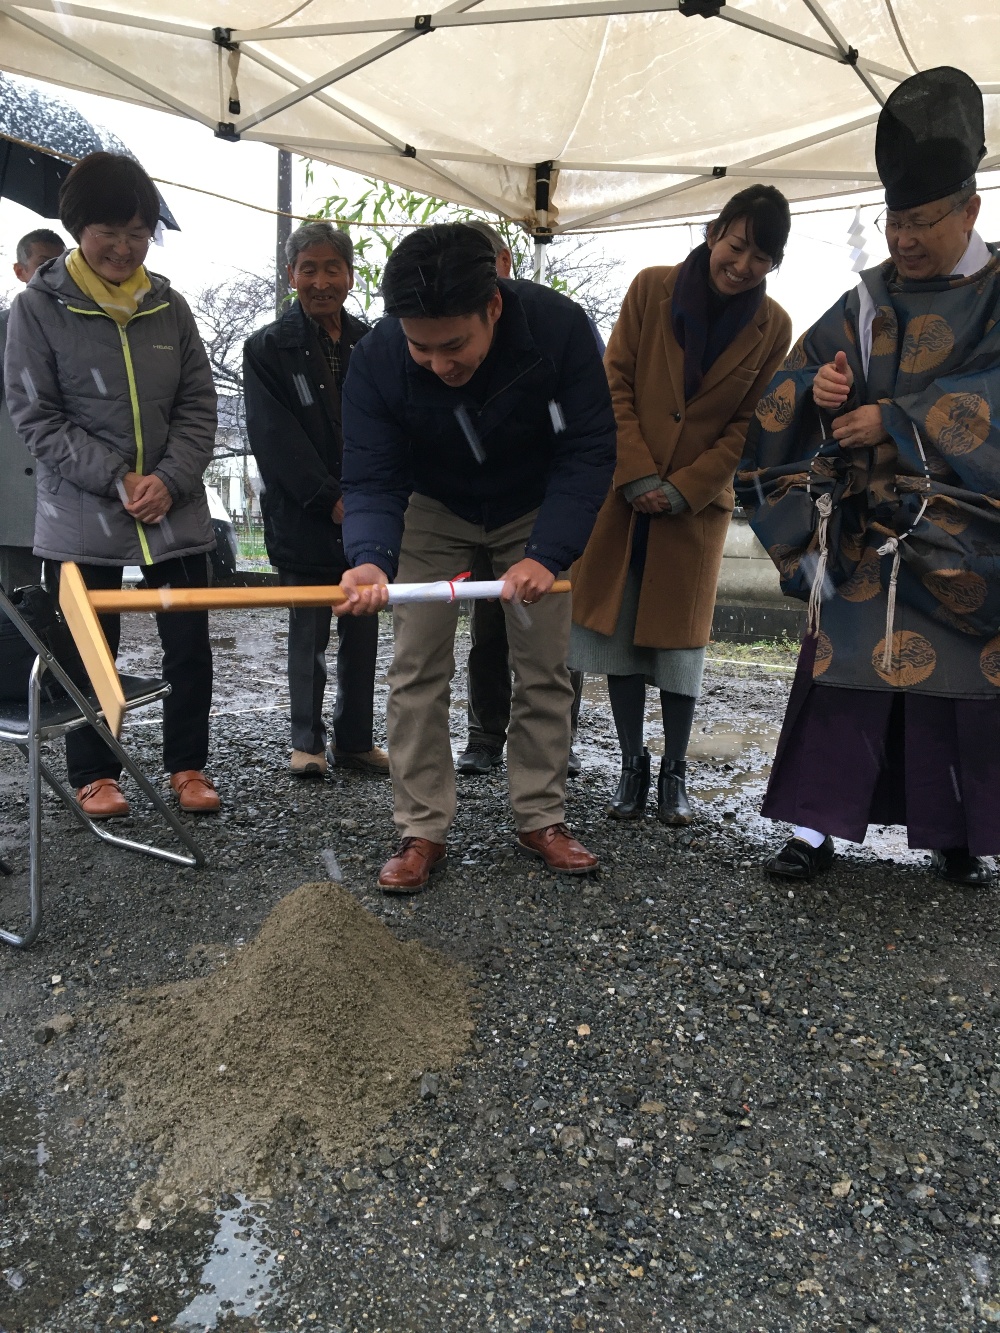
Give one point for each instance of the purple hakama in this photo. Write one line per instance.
(848, 758)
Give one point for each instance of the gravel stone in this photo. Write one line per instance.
(785, 1117)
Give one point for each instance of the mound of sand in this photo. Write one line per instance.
(305, 1041)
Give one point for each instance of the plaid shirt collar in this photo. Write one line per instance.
(331, 352)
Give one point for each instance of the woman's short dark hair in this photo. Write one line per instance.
(439, 272)
(767, 215)
(107, 189)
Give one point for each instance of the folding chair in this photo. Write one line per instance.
(30, 724)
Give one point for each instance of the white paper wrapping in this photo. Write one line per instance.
(457, 590)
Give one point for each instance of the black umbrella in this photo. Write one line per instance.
(41, 137)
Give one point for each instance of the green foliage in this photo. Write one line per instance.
(781, 652)
(374, 219)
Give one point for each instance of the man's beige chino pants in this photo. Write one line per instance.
(437, 544)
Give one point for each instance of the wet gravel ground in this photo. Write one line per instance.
(695, 1100)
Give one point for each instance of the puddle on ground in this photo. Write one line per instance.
(19, 1137)
(718, 743)
(238, 1271)
(22, 1155)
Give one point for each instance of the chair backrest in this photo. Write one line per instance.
(45, 659)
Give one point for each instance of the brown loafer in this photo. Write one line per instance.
(412, 866)
(102, 799)
(194, 792)
(557, 847)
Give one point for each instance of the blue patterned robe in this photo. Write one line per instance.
(931, 493)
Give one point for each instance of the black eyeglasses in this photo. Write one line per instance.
(886, 223)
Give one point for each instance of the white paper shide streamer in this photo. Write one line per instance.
(446, 590)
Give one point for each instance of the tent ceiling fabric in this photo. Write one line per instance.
(638, 104)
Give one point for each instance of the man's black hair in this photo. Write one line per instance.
(40, 236)
(440, 272)
(107, 189)
(767, 215)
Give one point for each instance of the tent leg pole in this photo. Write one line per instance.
(538, 262)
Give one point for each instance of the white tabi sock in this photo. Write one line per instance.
(808, 835)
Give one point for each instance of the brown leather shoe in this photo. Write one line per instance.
(102, 799)
(195, 792)
(557, 847)
(412, 866)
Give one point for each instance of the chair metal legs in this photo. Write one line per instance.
(37, 769)
(33, 753)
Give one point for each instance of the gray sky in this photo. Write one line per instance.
(217, 237)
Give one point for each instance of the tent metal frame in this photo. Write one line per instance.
(257, 46)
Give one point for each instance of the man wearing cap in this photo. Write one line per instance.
(873, 473)
(477, 419)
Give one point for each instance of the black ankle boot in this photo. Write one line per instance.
(629, 800)
(674, 807)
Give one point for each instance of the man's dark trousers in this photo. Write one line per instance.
(187, 665)
(489, 687)
(308, 637)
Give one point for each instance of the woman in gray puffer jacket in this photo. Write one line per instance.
(108, 383)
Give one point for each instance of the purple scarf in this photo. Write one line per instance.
(704, 323)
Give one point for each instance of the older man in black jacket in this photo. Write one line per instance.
(480, 409)
(294, 371)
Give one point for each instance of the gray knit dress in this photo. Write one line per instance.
(676, 670)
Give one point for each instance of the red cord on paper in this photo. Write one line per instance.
(458, 579)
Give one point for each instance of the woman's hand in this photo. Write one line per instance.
(148, 498)
(526, 582)
(366, 590)
(862, 427)
(651, 502)
(833, 383)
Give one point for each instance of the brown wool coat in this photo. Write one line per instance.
(695, 446)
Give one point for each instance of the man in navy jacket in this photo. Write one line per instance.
(478, 411)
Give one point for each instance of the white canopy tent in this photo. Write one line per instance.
(560, 116)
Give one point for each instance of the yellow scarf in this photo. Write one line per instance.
(120, 301)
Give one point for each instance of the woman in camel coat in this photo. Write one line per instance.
(692, 352)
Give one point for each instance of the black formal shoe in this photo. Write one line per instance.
(574, 766)
(478, 760)
(673, 806)
(797, 860)
(629, 800)
(958, 866)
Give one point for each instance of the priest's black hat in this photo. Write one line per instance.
(930, 137)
